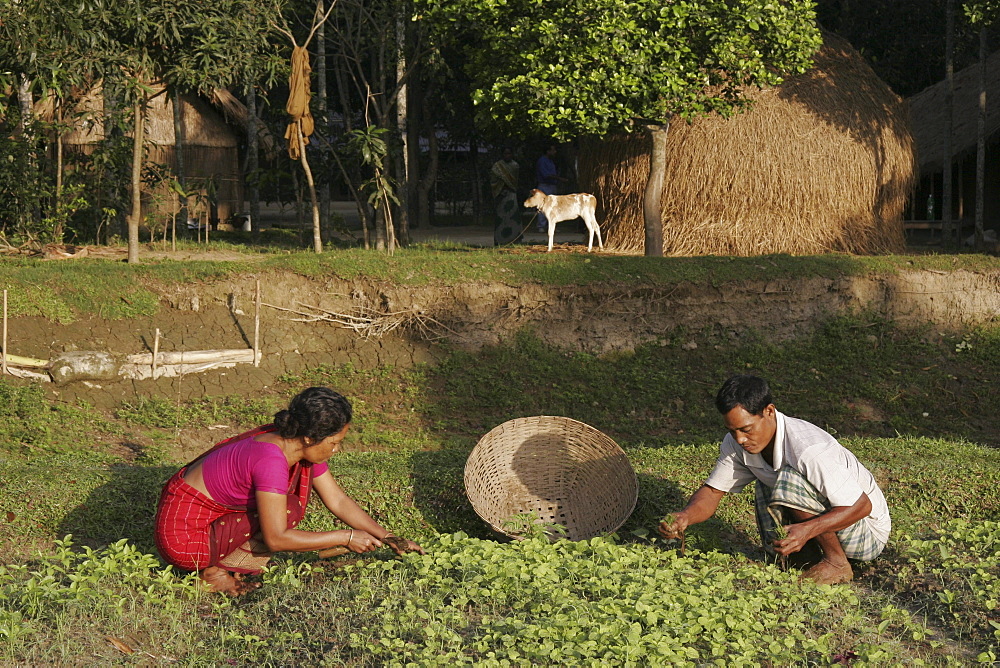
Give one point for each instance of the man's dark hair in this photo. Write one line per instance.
(316, 413)
(750, 392)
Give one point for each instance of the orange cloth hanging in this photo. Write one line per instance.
(298, 102)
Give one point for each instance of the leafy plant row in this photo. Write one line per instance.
(467, 601)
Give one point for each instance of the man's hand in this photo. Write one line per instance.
(673, 525)
(798, 536)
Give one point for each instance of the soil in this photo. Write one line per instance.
(595, 318)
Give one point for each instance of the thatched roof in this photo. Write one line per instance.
(927, 114)
(203, 125)
(822, 163)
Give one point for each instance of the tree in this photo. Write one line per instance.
(376, 54)
(949, 114)
(48, 52)
(982, 14)
(302, 123)
(186, 46)
(594, 67)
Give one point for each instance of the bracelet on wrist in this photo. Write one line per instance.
(350, 538)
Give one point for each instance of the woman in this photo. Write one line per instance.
(226, 512)
(503, 183)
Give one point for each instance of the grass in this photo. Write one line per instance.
(63, 291)
(916, 407)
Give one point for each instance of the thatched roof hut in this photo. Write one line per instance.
(927, 114)
(822, 163)
(211, 147)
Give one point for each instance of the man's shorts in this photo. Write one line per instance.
(792, 490)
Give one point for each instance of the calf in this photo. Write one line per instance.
(558, 208)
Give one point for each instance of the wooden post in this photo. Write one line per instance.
(4, 353)
(256, 326)
(156, 349)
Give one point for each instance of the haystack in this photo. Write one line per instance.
(822, 163)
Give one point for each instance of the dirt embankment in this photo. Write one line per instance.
(307, 322)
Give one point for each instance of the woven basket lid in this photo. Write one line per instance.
(564, 471)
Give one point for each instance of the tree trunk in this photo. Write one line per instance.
(365, 213)
(322, 107)
(134, 218)
(26, 102)
(317, 237)
(252, 176)
(477, 189)
(402, 166)
(414, 111)
(949, 104)
(380, 218)
(651, 215)
(179, 141)
(981, 141)
(57, 230)
(300, 216)
(429, 177)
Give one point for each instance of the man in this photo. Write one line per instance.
(818, 488)
(548, 179)
(503, 183)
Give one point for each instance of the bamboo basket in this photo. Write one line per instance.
(562, 471)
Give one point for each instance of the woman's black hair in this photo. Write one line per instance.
(750, 392)
(315, 413)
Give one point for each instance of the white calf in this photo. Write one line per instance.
(558, 208)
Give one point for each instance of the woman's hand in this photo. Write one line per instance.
(361, 541)
(402, 545)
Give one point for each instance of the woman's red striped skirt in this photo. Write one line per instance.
(184, 526)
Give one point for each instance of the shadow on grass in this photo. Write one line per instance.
(123, 505)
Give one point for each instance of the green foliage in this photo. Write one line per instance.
(529, 525)
(954, 575)
(121, 592)
(855, 374)
(579, 603)
(370, 145)
(61, 291)
(560, 604)
(23, 189)
(202, 412)
(30, 423)
(570, 68)
(981, 12)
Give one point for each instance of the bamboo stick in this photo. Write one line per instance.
(256, 326)
(142, 371)
(156, 349)
(25, 373)
(17, 360)
(3, 360)
(193, 357)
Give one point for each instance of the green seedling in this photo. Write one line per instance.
(670, 519)
(782, 533)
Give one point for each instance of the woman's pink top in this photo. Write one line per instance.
(235, 472)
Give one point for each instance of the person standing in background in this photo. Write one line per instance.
(548, 180)
(503, 184)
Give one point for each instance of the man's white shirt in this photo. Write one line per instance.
(830, 467)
